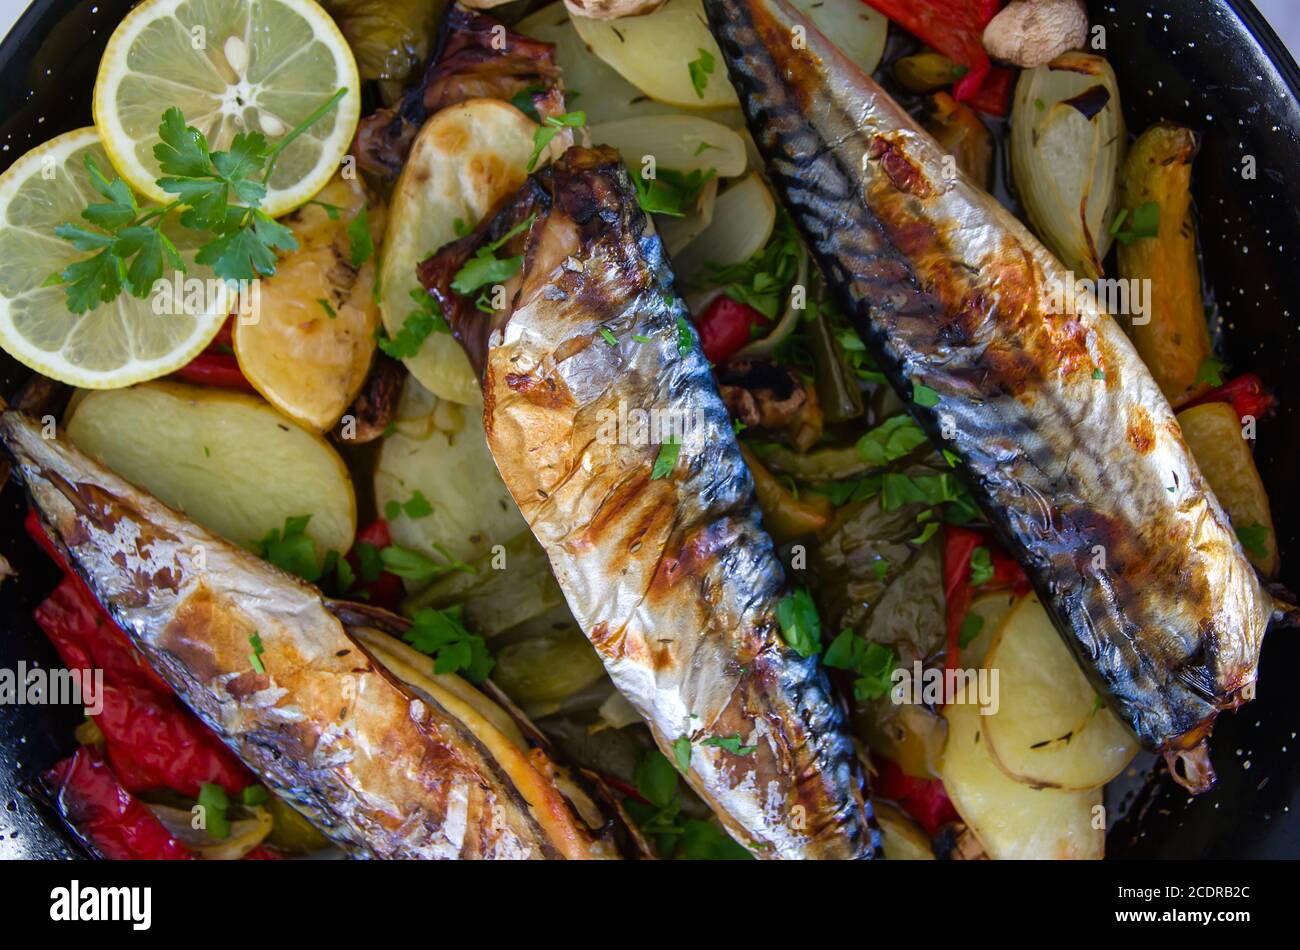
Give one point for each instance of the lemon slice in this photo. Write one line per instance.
(231, 66)
(119, 343)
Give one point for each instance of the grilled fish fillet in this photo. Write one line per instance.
(385, 770)
(1064, 438)
(672, 578)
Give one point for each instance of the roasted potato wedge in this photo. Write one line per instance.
(1051, 730)
(902, 838)
(654, 53)
(743, 219)
(450, 466)
(224, 458)
(465, 159)
(1213, 433)
(1014, 821)
(1175, 342)
(309, 347)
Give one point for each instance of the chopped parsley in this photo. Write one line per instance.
(731, 744)
(608, 336)
(485, 268)
(290, 549)
(981, 566)
(417, 506)
(1211, 371)
(418, 567)
(924, 396)
(666, 460)
(1143, 222)
(426, 318)
(215, 802)
(701, 68)
(764, 280)
(657, 812)
(682, 753)
(361, 247)
(873, 663)
(801, 626)
(670, 192)
(1254, 539)
(893, 439)
(548, 129)
(970, 629)
(685, 339)
(255, 641)
(443, 635)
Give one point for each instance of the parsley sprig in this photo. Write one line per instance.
(218, 193)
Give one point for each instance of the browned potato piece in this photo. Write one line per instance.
(310, 347)
(1176, 340)
(1213, 433)
(902, 838)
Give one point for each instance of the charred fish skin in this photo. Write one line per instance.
(1064, 438)
(383, 771)
(671, 576)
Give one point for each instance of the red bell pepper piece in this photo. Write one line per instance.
(150, 740)
(958, 546)
(386, 590)
(1246, 393)
(725, 326)
(956, 29)
(91, 799)
(214, 369)
(926, 800)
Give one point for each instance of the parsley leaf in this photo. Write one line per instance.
(981, 566)
(1211, 371)
(924, 396)
(682, 752)
(970, 629)
(485, 268)
(255, 641)
(455, 649)
(425, 319)
(659, 817)
(666, 460)
(685, 338)
(1254, 539)
(800, 624)
(214, 801)
(893, 439)
(361, 246)
(1144, 222)
(670, 192)
(763, 281)
(419, 567)
(417, 506)
(548, 129)
(700, 69)
(873, 663)
(290, 549)
(731, 744)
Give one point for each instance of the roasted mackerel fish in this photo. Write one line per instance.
(387, 760)
(1062, 434)
(656, 543)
